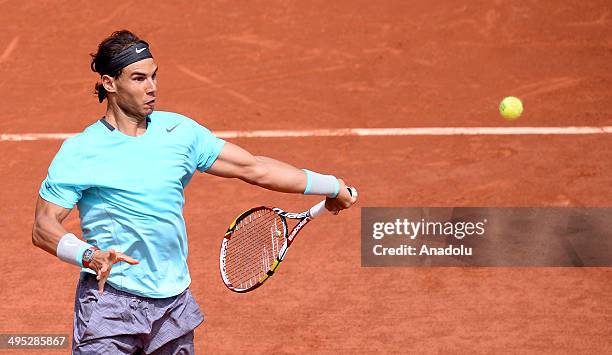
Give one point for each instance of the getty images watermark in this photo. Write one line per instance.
(486, 236)
(425, 229)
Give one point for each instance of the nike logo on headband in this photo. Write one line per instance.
(139, 50)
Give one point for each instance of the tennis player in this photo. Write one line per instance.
(126, 173)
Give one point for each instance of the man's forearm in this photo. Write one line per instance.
(278, 176)
(49, 235)
(271, 174)
(46, 233)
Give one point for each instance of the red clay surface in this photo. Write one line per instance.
(303, 65)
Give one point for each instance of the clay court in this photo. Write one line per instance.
(308, 65)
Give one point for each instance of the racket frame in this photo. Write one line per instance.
(288, 239)
(304, 218)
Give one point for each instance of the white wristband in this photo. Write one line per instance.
(70, 249)
(319, 184)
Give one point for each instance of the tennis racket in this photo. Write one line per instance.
(257, 241)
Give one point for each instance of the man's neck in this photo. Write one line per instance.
(127, 124)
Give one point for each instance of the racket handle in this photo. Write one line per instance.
(319, 208)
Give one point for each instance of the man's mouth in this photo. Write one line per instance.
(150, 102)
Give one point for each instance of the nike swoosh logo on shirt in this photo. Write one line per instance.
(139, 50)
(172, 128)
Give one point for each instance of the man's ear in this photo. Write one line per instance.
(109, 83)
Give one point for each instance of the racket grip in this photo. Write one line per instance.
(319, 208)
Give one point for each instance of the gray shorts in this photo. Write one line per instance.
(118, 322)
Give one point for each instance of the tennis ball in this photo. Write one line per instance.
(511, 108)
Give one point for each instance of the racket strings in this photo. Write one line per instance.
(253, 247)
(256, 245)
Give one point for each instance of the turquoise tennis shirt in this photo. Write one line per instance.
(130, 195)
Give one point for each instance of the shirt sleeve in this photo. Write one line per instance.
(208, 147)
(63, 185)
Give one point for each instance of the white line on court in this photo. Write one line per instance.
(364, 132)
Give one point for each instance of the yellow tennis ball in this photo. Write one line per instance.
(511, 108)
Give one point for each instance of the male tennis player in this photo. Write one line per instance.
(126, 173)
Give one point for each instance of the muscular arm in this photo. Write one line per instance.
(235, 162)
(48, 230)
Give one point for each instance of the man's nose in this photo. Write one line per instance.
(152, 86)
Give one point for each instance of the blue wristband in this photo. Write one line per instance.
(308, 182)
(319, 184)
(337, 191)
(70, 249)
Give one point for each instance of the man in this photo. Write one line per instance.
(126, 173)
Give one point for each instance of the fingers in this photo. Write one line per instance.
(101, 271)
(112, 255)
(347, 197)
(102, 276)
(335, 205)
(105, 263)
(127, 259)
(354, 193)
(101, 283)
(116, 257)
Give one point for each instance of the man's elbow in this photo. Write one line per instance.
(257, 174)
(35, 238)
(37, 232)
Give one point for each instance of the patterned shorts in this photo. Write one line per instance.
(118, 322)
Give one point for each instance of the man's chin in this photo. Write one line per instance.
(148, 111)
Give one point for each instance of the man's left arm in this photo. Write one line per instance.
(236, 162)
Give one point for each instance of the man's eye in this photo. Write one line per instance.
(139, 78)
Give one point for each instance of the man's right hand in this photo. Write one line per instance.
(103, 261)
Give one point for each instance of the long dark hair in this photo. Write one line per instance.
(107, 49)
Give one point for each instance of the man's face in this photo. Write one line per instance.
(136, 88)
